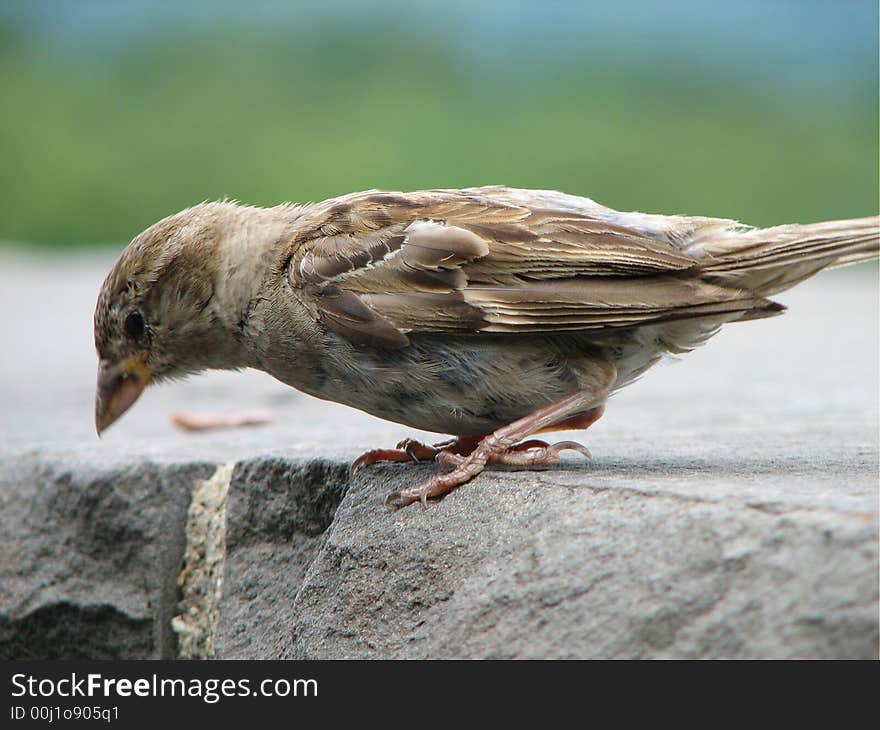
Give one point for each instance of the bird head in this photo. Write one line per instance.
(154, 319)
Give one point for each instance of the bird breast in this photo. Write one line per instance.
(464, 385)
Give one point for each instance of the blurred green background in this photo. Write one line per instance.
(117, 114)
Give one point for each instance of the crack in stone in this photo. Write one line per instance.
(201, 579)
(773, 509)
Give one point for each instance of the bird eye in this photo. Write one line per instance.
(134, 324)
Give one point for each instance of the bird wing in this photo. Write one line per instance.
(376, 266)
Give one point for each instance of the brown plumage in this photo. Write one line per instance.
(485, 312)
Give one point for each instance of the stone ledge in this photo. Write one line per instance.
(89, 557)
(514, 565)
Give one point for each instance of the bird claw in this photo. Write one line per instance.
(394, 501)
(403, 498)
(436, 486)
(406, 451)
(572, 446)
(539, 455)
(417, 451)
(375, 456)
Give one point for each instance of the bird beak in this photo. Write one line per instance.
(119, 386)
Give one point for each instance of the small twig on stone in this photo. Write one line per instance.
(197, 422)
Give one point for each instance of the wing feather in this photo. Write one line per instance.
(376, 266)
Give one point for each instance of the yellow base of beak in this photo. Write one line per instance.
(119, 386)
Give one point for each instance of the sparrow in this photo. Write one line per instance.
(490, 314)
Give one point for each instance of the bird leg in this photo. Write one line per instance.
(500, 448)
(580, 421)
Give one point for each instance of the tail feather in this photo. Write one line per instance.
(769, 260)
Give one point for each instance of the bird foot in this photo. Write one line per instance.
(528, 453)
(406, 450)
(466, 467)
